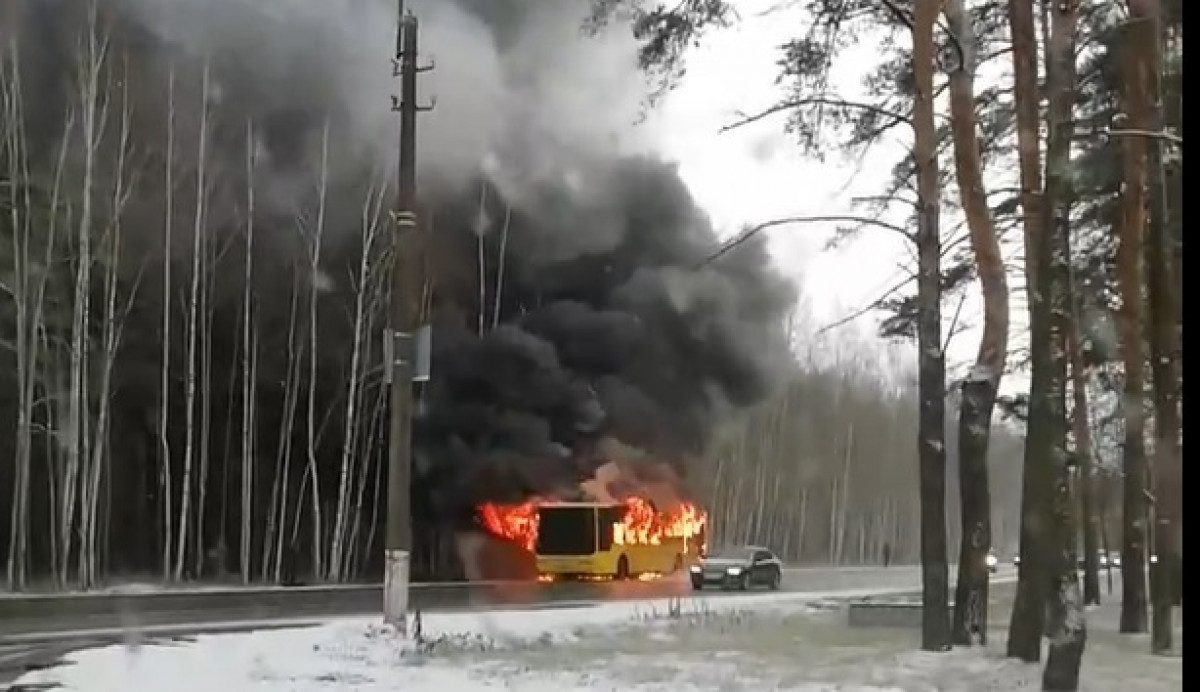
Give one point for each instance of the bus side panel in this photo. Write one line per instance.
(661, 559)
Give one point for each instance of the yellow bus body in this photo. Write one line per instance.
(604, 559)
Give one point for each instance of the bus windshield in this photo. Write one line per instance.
(566, 531)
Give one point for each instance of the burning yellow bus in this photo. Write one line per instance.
(589, 540)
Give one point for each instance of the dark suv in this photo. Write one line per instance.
(738, 568)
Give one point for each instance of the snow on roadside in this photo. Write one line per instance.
(358, 653)
(780, 641)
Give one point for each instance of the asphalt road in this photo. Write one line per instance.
(36, 631)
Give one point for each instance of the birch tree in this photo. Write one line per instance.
(193, 329)
(315, 280)
(26, 298)
(112, 321)
(369, 225)
(93, 99)
(249, 356)
(164, 402)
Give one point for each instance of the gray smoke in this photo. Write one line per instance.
(611, 325)
(618, 330)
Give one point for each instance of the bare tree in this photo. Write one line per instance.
(273, 540)
(249, 355)
(500, 266)
(369, 225)
(315, 279)
(26, 292)
(112, 321)
(193, 328)
(208, 271)
(164, 403)
(94, 108)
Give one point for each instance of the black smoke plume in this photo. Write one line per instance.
(610, 324)
(632, 337)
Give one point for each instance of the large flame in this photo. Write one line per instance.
(516, 523)
(640, 525)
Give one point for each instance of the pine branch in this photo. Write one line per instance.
(816, 100)
(755, 230)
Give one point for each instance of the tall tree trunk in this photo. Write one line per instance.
(28, 311)
(500, 261)
(935, 627)
(189, 447)
(164, 393)
(48, 370)
(1028, 615)
(844, 501)
(366, 449)
(275, 530)
(979, 389)
(94, 110)
(274, 540)
(341, 532)
(89, 568)
(1066, 626)
(480, 260)
(248, 382)
(1135, 102)
(314, 269)
(1083, 453)
(1164, 339)
(208, 264)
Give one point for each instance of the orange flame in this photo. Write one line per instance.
(640, 525)
(516, 523)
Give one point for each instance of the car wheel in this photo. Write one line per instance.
(776, 579)
(623, 567)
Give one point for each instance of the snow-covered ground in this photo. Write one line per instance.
(781, 641)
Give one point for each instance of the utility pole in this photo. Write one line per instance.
(403, 316)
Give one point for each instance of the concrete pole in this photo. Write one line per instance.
(402, 323)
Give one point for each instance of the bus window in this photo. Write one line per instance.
(566, 531)
(606, 518)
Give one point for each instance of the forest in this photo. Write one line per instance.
(195, 260)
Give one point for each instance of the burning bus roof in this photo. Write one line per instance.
(580, 503)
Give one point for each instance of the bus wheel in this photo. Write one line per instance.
(623, 567)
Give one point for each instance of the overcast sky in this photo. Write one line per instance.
(758, 172)
(583, 92)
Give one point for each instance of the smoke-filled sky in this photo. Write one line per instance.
(516, 80)
(609, 324)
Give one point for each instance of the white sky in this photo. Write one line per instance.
(758, 172)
